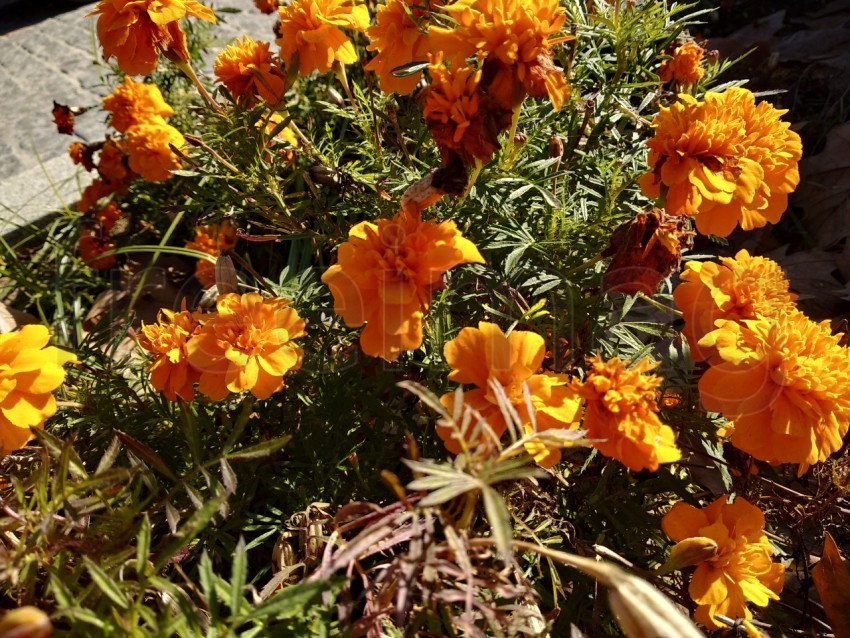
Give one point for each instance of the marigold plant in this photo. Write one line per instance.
(622, 413)
(741, 571)
(386, 273)
(30, 371)
(725, 161)
(484, 355)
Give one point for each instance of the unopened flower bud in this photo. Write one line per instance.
(25, 622)
(689, 552)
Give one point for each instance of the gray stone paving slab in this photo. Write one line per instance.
(54, 59)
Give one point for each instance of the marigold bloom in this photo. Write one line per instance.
(166, 340)
(684, 66)
(399, 37)
(785, 382)
(30, 371)
(134, 103)
(313, 30)
(735, 289)
(136, 31)
(212, 239)
(266, 6)
(483, 354)
(385, 275)
(248, 69)
(94, 192)
(108, 215)
(622, 411)
(725, 161)
(82, 154)
(246, 346)
(112, 163)
(149, 147)
(452, 109)
(91, 246)
(514, 32)
(741, 571)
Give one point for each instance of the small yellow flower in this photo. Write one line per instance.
(740, 571)
(30, 371)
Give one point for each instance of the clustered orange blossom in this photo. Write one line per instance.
(135, 32)
(400, 37)
(485, 355)
(249, 70)
(212, 239)
(739, 570)
(246, 345)
(725, 161)
(30, 371)
(311, 33)
(685, 65)
(782, 379)
(386, 273)
(621, 413)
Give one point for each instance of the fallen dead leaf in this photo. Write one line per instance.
(832, 579)
(11, 319)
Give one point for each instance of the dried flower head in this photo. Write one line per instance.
(135, 32)
(483, 355)
(266, 6)
(741, 570)
(248, 69)
(134, 103)
(247, 345)
(725, 161)
(312, 30)
(166, 341)
(30, 371)
(623, 413)
(734, 289)
(385, 276)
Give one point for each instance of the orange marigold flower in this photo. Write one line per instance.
(399, 37)
(134, 103)
(725, 162)
(149, 147)
(514, 32)
(108, 215)
(734, 289)
(30, 371)
(166, 340)
(212, 239)
(112, 163)
(91, 246)
(452, 109)
(785, 382)
(77, 152)
(684, 66)
(246, 346)
(94, 192)
(385, 276)
(136, 31)
(741, 571)
(248, 69)
(622, 412)
(266, 6)
(480, 355)
(313, 30)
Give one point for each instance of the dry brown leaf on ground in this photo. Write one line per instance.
(824, 192)
(11, 319)
(832, 579)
